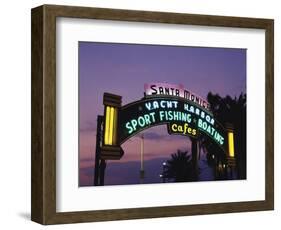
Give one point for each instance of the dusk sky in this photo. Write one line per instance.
(123, 69)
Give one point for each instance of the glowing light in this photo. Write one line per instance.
(106, 133)
(110, 126)
(231, 144)
(111, 123)
(114, 135)
(209, 129)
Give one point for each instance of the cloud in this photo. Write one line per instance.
(87, 171)
(86, 159)
(88, 126)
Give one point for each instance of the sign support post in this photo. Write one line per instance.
(194, 154)
(102, 171)
(231, 161)
(98, 145)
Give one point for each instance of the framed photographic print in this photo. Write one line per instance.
(140, 114)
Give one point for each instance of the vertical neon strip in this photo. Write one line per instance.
(106, 132)
(114, 136)
(111, 120)
(231, 144)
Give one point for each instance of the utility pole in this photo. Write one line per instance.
(141, 159)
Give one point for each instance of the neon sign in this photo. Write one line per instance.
(181, 116)
(182, 129)
(164, 89)
(181, 111)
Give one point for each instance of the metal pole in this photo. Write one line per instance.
(141, 159)
(102, 171)
(98, 145)
(194, 153)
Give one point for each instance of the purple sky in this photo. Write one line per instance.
(123, 69)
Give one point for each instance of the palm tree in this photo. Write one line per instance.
(179, 167)
(229, 110)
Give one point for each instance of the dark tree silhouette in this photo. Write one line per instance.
(228, 110)
(179, 167)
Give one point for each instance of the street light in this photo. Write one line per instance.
(161, 176)
(164, 164)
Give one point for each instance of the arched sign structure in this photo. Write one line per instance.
(182, 112)
(181, 116)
